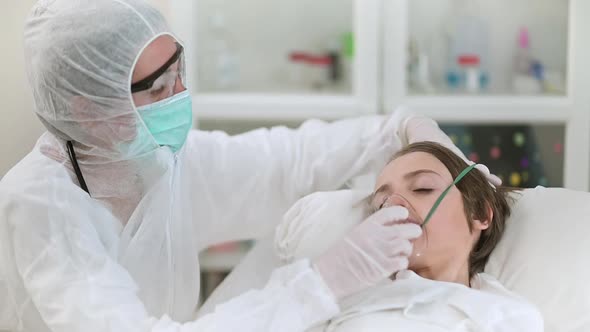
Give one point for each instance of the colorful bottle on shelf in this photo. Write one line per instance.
(348, 49)
(469, 63)
(522, 58)
(528, 73)
(418, 69)
(468, 36)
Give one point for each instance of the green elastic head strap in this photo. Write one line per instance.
(444, 193)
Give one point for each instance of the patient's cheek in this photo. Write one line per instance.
(419, 252)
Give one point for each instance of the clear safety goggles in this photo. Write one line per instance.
(161, 83)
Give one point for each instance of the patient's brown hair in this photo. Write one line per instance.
(477, 194)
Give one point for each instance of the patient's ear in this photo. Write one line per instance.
(484, 224)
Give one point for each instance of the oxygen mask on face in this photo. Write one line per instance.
(414, 216)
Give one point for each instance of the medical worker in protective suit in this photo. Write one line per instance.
(101, 224)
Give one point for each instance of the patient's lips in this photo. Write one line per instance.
(413, 217)
(413, 220)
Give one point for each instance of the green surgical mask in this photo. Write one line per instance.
(169, 120)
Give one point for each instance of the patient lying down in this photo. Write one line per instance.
(444, 288)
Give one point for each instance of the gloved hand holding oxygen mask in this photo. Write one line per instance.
(371, 252)
(379, 247)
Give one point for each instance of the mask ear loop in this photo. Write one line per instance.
(444, 193)
(74, 162)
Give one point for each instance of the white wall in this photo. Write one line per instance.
(19, 127)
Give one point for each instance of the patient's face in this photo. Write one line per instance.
(415, 181)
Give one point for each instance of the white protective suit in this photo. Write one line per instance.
(124, 258)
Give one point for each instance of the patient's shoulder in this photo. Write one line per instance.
(521, 311)
(489, 284)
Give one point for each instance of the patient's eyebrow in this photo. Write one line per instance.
(418, 172)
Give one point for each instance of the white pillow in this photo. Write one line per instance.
(542, 255)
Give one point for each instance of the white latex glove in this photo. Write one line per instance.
(419, 128)
(374, 250)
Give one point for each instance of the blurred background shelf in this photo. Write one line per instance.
(216, 263)
(278, 108)
(493, 109)
(221, 261)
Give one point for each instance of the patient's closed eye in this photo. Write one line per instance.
(421, 191)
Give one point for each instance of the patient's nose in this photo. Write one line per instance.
(397, 199)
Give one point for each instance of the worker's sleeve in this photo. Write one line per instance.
(243, 184)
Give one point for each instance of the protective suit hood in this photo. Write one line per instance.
(80, 56)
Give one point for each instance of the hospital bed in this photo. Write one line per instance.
(543, 255)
